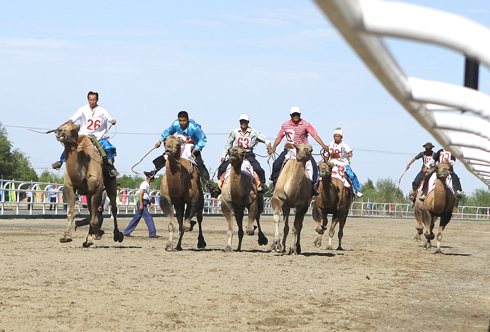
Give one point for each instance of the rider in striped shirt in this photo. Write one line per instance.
(296, 132)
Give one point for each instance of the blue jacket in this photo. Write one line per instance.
(193, 131)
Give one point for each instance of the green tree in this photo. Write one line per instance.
(13, 163)
(47, 176)
(385, 191)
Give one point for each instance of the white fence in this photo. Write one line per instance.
(14, 202)
(456, 116)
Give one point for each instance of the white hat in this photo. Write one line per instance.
(338, 131)
(295, 109)
(244, 117)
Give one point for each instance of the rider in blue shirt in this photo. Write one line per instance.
(188, 129)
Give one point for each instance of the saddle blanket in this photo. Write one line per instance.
(432, 183)
(246, 169)
(291, 154)
(338, 172)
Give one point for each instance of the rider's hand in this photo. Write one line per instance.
(270, 150)
(113, 121)
(157, 145)
(222, 160)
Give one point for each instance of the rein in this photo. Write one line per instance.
(141, 161)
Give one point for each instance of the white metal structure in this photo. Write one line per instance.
(456, 116)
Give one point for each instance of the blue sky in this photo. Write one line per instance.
(215, 59)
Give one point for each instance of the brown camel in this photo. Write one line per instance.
(438, 203)
(181, 189)
(293, 190)
(84, 175)
(238, 194)
(335, 199)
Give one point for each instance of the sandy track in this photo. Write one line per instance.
(383, 281)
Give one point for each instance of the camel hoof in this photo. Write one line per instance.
(340, 248)
(169, 248)
(263, 240)
(317, 243)
(417, 238)
(65, 239)
(329, 247)
(201, 244)
(118, 237)
(178, 248)
(438, 251)
(319, 230)
(186, 228)
(250, 232)
(193, 222)
(228, 249)
(87, 244)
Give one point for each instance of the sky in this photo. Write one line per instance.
(215, 59)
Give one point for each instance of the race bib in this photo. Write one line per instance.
(289, 135)
(243, 142)
(94, 123)
(444, 155)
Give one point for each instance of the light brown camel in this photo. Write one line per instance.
(335, 199)
(438, 203)
(84, 175)
(238, 194)
(293, 190)
(181, 189)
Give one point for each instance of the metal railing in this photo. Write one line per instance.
(47, 199)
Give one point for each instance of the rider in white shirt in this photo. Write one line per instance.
(94, 121)
(345, 152)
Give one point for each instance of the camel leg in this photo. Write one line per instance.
(228, 213)
(262, 238)
(342, 221)
(442, 225)
(331, 231)
(167, 208)
(277, 206)
(252, 213)
(93, 220)
(201, 243)
(428, 226)
(179, 211)
(297, 226)
(191, 210)
(111, 190)
(69, 197)
(239, 221)
(321, 218)
(285, 218)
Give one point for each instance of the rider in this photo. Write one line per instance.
(247, 138)
(296, 131)
(345, 152)
(93, 121)
(191, 130)
(428, 156)
(440, 157)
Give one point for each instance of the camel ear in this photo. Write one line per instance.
(77, 128)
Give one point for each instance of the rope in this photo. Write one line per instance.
(141, 161)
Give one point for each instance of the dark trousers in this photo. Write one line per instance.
(416, 181)
(277, 166)
(29, 203)
(160, 162)
(52, 200)
(145, 214)
(251, 158)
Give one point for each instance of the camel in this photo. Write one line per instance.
(439, 203)
(181, 189)
(293, 190)
(238, 194)
(334, 198)
(84, 175)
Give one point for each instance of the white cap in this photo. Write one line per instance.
(338, 131)
(244, 117)
(295, 109)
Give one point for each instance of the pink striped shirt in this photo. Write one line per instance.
(296, 133)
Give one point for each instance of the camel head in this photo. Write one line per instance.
(172, 146)
(303, 152)
(236, 153)
(442, 170)
(67, 133)
(325, 169)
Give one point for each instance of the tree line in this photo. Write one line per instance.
(15, 165)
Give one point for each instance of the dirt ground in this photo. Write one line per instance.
(383, 281)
